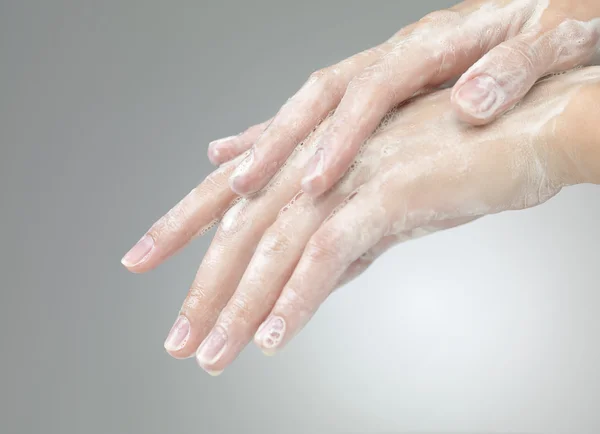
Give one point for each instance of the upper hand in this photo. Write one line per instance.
(500, 47)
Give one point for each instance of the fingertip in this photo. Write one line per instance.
(314, 182)
(177, 356)
(245, 185)
(238, 186)
(270, 335)
(177, 343)
(467, 118)
(148, 264)
(211, 352)
(135, 259)
(312, 186)
(214, 156)
(478, 100)
(132, 269)
(205, 368)
(238, 181)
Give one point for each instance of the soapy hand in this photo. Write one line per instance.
(278, 255)
(498, 48)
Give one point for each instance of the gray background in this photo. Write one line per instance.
(106, 108)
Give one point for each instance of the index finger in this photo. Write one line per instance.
(195, 214)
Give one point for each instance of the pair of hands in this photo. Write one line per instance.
(279, 252)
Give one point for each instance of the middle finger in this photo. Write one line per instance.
(230, 252)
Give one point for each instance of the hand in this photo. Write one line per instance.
(504, 46)
(278, 255)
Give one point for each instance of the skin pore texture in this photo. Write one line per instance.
(277, 255)
(496, 48)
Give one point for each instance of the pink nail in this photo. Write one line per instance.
(241, 170)
(179, 334)
(315, 165)
(244, 166)
(213, 155)
(314, 170)
(215, 147)
(139, 253)
(479, 94)
(212, 348)
(271, 332)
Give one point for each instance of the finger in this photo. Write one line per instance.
(270, 268)
(224, 264)
(502, 77)
(358, 227)
(427, 57)
(267, 272)
(340, 241)
(278, 253)
(297, 118)
(222, 150)
(195, 214)
(217, 277)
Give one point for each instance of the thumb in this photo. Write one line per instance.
(499, 80)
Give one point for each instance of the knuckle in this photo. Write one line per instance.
(378, 71)
(296, 301)
(580, 43)
(327, 82)
(439, 17)
(367, 258)
(196, 298)
(238, 309)
(203, 302)
(276, 241)
(290, 133)
(520, 53)
(322, 76)
(375, 76)
(214, 181)
(287, 222)
(325, 246)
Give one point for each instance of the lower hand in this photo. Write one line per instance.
(278, 255)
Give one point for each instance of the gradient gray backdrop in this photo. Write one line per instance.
(106, 109)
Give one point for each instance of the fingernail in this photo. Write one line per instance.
(270, 334)
(179, 334)
(139, 253)
(212, 348)
(480, 95)
(244, 166)
(213, 155)
(315, 165)
(214, 151)
(213, 373)
(314, 170)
